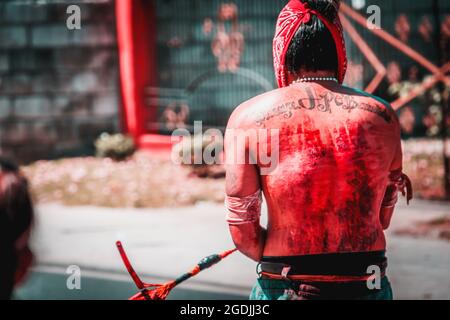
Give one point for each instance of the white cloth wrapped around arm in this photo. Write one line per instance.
(243, 210)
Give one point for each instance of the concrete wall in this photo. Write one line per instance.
(58, 87)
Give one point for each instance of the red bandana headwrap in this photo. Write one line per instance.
(291, 18)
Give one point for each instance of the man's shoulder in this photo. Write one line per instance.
(371, 97)
(246, 114)
(374, 98)
(371, 100)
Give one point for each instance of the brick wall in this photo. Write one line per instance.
(58, 87)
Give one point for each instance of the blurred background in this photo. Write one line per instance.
(88, 112)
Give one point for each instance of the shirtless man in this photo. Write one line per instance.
(333, 191)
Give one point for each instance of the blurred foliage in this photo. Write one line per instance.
(423, 162)
(116, 146)
(209, 146)
(140, 181)
(429, 102)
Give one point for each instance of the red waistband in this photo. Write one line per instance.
(320, 278)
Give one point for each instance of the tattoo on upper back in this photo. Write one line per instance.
(322, 103)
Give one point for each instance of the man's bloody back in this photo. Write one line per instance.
(337, 149)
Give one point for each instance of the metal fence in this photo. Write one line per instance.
(213, 55)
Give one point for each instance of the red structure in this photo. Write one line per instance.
(136, 35)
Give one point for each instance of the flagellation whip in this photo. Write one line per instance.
(150, 291)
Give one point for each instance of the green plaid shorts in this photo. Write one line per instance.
(268, 289)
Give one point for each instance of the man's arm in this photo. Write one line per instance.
(391, 195)
(397, 182)
(243, 200)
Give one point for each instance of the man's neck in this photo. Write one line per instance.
(311, 74)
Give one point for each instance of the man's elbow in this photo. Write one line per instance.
(252, 253)
(247, 241)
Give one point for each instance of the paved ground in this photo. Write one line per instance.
(51, 285)
(163, 243)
